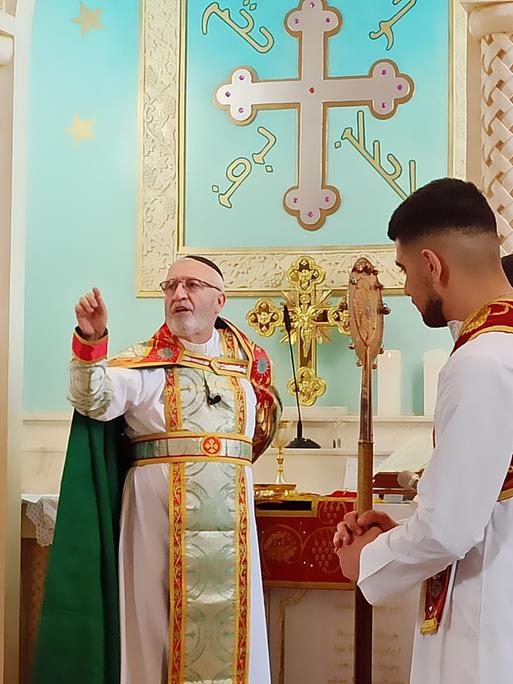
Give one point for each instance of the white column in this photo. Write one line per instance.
(6, 49)
(492, 25)
(8, 616)
(15, 34)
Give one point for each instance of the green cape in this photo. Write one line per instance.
(79, 634)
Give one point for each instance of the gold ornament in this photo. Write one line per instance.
(311, 317)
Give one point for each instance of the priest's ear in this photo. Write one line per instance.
(436, 267)
(221, 300)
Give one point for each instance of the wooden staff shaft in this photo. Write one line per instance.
(363, 610)
(365, 442)
(362, 639)
(365, 459)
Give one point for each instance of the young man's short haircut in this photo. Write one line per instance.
(447, 204)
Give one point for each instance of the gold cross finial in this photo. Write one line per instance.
(311, 317)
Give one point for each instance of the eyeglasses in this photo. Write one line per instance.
(190, 285)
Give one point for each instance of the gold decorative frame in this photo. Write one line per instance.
(161, 136)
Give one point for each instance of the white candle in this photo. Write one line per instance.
(434, 360)
(389, 383)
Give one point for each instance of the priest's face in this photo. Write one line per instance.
(194, 296)
(418, 285)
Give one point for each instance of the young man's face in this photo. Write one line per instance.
(418, 284)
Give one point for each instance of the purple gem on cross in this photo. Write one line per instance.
(384, 72)
(227, 93)
(383, 105)
(310, 214)
(296, 21)
(328, 20)
(241, 77)
(312, 4)
(241, 109)
(295, 200)
(326, 199)
(400, 87)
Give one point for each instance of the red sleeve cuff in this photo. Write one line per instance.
(89, 350)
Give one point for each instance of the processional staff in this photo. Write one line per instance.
(366, 310)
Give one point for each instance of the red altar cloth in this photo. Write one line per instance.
(295, 536)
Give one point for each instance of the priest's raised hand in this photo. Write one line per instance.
(91, 315)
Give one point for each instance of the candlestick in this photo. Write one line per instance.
(389, 383)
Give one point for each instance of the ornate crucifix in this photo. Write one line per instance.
(311, 317)
(312, 94)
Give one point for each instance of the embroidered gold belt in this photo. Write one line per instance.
(187, 446)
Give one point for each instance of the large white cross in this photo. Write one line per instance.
(312, 94)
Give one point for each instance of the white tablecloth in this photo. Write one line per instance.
(41, 510)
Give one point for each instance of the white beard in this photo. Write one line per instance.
(184, 327)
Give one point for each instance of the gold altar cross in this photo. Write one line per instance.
(311, 317)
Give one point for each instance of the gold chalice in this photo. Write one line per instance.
(280, 441)
(280, 487)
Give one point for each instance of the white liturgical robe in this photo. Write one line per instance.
(459, 521)
(105, 393)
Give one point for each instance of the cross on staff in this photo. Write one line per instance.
(311, 316)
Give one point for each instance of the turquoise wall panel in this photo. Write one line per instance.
(82, 199)
(418, 130)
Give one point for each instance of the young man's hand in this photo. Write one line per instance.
(353, 526)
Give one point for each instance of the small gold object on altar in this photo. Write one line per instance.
(280, 487)
(311, 315)
(273, 490)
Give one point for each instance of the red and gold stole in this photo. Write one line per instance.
(496, 316)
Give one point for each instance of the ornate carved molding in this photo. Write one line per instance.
(242, 267)
(158, 163)
(458, 95)
(490, 18)
(492, 25)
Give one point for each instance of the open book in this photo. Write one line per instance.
(412, 456)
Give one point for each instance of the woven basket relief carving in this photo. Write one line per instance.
(497, 130)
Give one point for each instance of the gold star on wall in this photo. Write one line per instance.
(81, 129)
(88, 19)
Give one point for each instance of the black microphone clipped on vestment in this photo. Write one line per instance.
(299, 442)
(211, 400)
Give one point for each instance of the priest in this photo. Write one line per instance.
(459, 543)
(197, 406)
